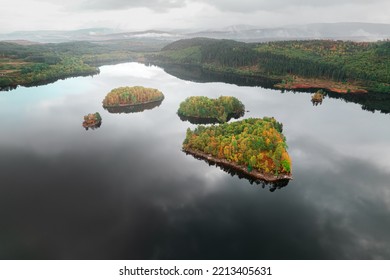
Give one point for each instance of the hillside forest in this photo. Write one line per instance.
(339, 66)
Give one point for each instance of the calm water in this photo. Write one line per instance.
(127, 191)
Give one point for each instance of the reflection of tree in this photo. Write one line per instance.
(235, 172)
(198, 74)
(195, 120)
(316, 103)
(317, 97)
(369, 101)
(92, 126)
(133, 108)
(7, 88)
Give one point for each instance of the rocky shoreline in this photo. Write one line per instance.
(253, 174)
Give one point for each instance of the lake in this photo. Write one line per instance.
(127, 191)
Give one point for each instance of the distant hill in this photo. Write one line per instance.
(353, 31)
(338, 66)
(56, 36)
(336, 31)
(22, 42)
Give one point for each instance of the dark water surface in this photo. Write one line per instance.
(127, 191)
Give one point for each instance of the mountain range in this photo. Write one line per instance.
(353, 31)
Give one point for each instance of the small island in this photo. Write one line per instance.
(317, 97)
(127, 99)
(201, 109)
(255, 147)
(92, 121)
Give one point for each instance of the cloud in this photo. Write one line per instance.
(156, 5)
(179, 14)
(245, 6)
(242, 6)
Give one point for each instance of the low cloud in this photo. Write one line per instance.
(156, 5)
(275, 5)
(242, 6)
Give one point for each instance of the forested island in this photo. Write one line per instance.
(201, 109)
(92, 121)
(253, 146)
(317, 97)
(337, 66)
(132, 96)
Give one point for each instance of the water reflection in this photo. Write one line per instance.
(129, 192)
(8, 88)
(92, 126)
(235, 172)
(133, 108)
(198, 74)
(369, 101)
(195, 120)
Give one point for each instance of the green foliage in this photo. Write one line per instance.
(132, 96)
(191, 55)
(367, 64)
(252, 143)
(286, 165)
(44, 63)
(206, 108)
(98, 117)
(229, 53)
(91, 119)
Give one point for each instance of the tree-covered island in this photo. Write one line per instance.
(201, 109)
(92, 121)
(253, 146)
(317, 97)
(132, 96)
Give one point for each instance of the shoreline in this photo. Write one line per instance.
(130, 105)
(204, 120)
(301, 83)
(253, 174)
(133, 108)
(275, 82)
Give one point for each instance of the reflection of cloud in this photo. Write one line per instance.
(157, 5)
(112, 198)
(135, 70)
(352, 206)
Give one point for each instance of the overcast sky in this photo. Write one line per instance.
(183, 14)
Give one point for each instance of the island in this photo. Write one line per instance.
(317, 97)
(92, 121)
(132, 99)
(201, 109)
(256, 147)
